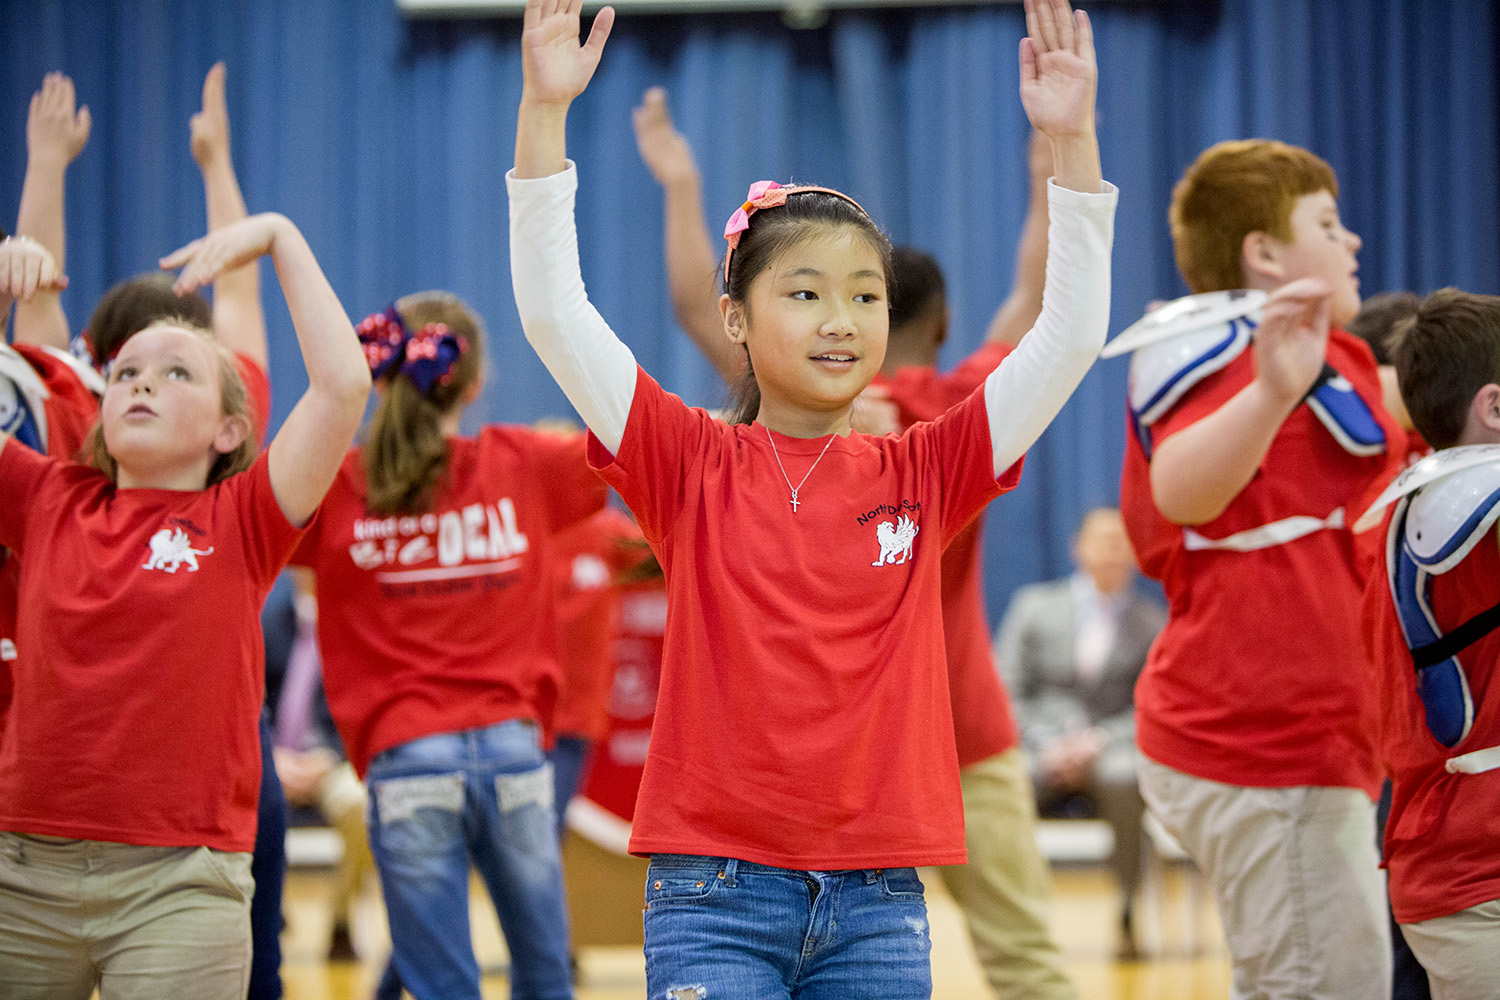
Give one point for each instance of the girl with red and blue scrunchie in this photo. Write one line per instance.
(433, 560)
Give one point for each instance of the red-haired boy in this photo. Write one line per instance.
(1251, 442)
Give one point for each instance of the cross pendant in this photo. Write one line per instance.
(794, 501)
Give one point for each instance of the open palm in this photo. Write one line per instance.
(556, 67)
(1059, 74)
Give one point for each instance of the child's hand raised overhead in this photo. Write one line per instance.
(1059, 77)
(666, 153)
(55, 131)
(223, 249)
(555, 67)
(1292, 338)
(209, 128)
(27, 267)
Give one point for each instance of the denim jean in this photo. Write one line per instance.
(718, 928)
(268, 866)
(439, 802)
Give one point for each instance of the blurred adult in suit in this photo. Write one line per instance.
(1071, 650)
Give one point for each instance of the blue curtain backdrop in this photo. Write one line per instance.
(387, 141)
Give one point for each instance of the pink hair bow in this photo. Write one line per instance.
(763, 194)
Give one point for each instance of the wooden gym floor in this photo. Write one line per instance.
(1177, 924)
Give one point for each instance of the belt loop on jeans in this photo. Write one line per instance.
(872, 875)
(731, 865)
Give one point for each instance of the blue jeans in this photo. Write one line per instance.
(439, 802)
(718, 928)
(568, 758)
(268, 867)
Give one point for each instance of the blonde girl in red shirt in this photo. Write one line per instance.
(802, 760)
(130, 763)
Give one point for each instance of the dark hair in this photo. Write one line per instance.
(772, 232)
(405, 453)
(234, 401)
(134, 304)
(918, 287)
(1378, 317)
(1444, 354)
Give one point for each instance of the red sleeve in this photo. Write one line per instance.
(258, 389)
(269, 538)
(72, 408)
(660, 455)
(923, 394)
(959, 443)
(23, 473)
(572, 490)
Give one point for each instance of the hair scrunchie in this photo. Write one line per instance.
(427, 357)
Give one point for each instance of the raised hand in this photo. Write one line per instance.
(27, 267)
(666, 153)
(875, 413)
(1059, 74)
(223, 249)
(1292, 338)
(56, 130)
(555, 67)
(209, 128)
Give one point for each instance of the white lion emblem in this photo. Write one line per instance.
(895, 540)
(170, 548)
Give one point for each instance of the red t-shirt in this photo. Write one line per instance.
(589, 557)
(1442, 840)
(803, 717)
(983, 722)
(139, 679)
(258, 391)
(1258, 678)
(444, 621)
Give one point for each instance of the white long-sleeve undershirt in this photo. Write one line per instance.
(597, 371)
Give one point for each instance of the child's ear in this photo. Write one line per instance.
(734, 319)
(233, 431)
(1486, 409)
(1260, 256)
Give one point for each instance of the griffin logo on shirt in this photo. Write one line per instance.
(170, 548)
(895, 538)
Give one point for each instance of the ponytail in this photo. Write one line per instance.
(405, 450)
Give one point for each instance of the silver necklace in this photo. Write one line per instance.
(788, 478)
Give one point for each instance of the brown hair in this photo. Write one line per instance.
(405, 453)
(1234, 189)
(136, 303)
(1378, 317)
(1444, 355)
(234, 401)
(772, 232)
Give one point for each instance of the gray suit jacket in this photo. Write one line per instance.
(1034, 647)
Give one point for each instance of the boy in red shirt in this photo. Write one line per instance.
(1440, 722)
(1254, 714)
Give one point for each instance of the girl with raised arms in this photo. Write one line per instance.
(433, 553)
(802, 761)
(130, 764)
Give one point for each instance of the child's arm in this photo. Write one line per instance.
(593, 367)
(238, 321)
(1198, 471)
(307, 451)
(692, 268)
(1018, 313)
(56, 132)
(1058, 77)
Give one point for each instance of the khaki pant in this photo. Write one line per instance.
(1297, 879)
(1005, 889)
(1461, 952)
(138, 923)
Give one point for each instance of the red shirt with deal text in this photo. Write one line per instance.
(443, 621)
(803, 717)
